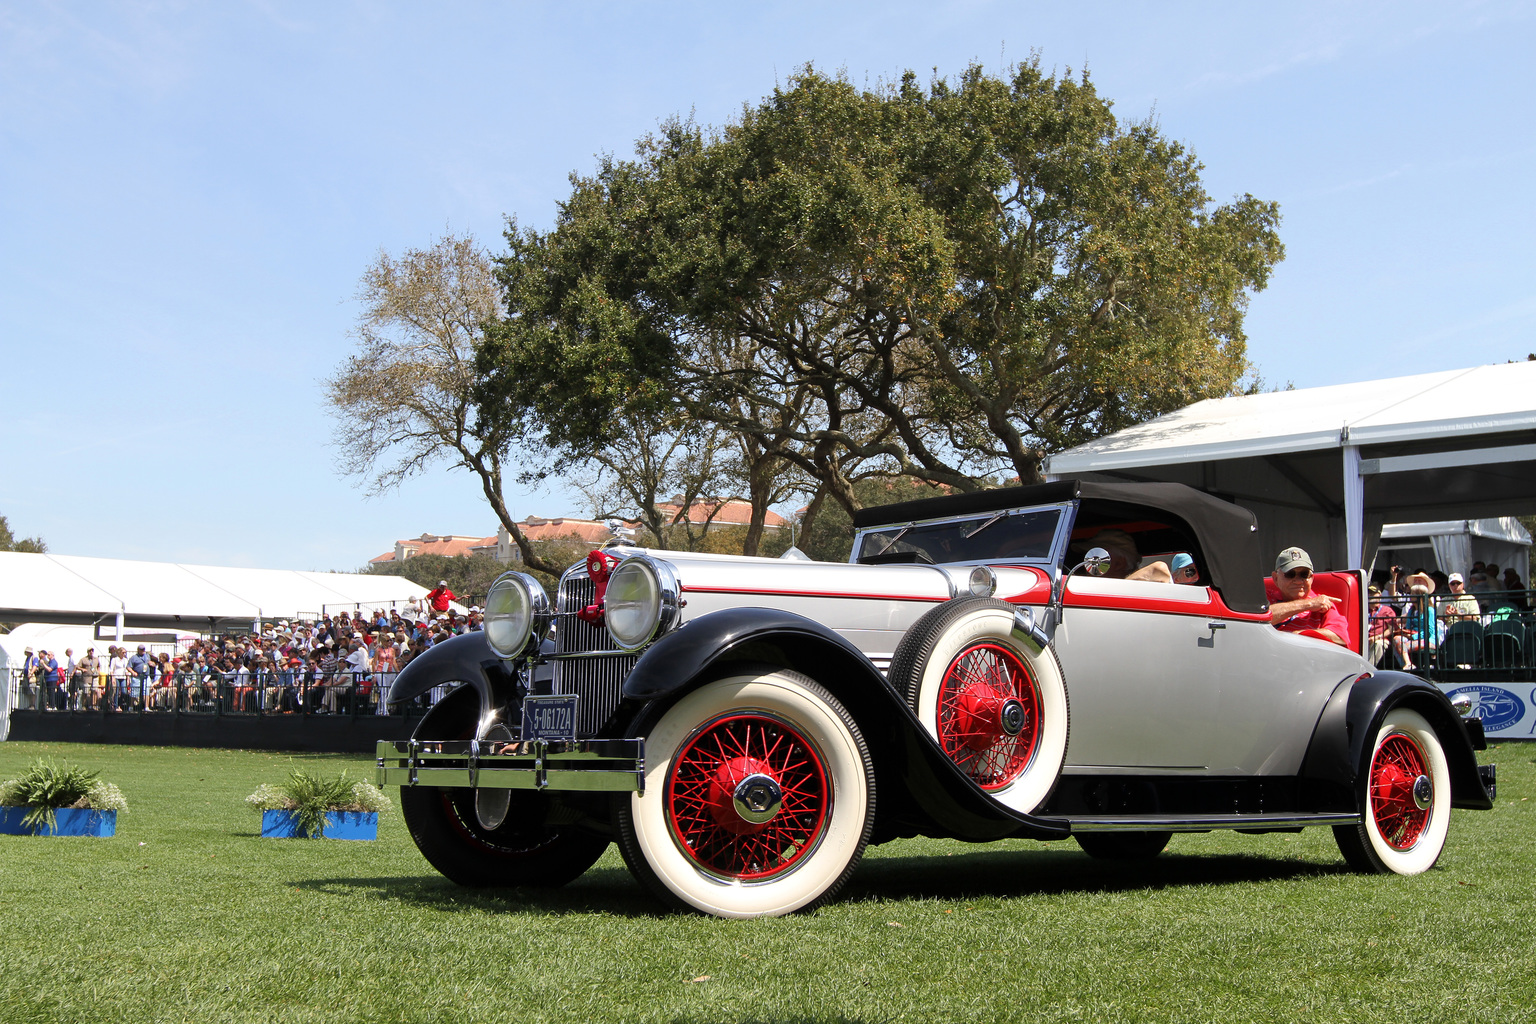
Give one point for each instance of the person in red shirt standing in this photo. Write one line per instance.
(439, 596)
(1293, 606)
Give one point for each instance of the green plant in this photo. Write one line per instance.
(48, 785)
(310, 797)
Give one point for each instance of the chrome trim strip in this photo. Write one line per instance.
(1207, 823)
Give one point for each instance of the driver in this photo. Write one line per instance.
(1124, 558)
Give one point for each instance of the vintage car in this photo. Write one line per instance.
(744, 727)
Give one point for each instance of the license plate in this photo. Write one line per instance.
(549, 718)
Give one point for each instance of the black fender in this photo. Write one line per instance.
(463, 659)
(933, 796)
(1338, 754)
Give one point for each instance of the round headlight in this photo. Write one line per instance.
(640, 601)
(516, 613)
(983, 581)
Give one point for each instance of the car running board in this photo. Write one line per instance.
(1206, 823)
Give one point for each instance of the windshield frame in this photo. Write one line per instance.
(1066, 514)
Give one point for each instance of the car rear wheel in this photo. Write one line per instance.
(1405, 800)
(759, 798)
(995, 702)
(526, 848)
(1123, 845)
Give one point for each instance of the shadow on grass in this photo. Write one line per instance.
(1053, 873)
(878, 879)
(600, 890)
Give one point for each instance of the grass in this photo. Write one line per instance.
(186, 915)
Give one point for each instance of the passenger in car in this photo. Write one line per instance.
(1124, 558)
(1184, 570)
(1293, 607)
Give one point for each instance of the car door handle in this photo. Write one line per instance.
(1216, 625)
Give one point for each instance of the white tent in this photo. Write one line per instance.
(117, 593)
(1325, 467)
(1453, 545)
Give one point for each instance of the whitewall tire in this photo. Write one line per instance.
(1405, 800)
(759, 797)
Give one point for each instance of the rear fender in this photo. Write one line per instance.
(933, 795)
(1339, 752)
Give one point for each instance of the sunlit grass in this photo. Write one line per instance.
(187, 915)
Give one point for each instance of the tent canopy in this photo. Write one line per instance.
(165, 595)
(1325, 467)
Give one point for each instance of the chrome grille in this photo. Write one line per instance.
(597, 681)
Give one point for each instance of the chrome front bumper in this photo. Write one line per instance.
(616, 766)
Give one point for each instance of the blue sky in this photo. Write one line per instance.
(190, 192)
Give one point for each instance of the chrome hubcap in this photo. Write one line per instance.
(1423, 792)
(757, 798)
(1012, 717)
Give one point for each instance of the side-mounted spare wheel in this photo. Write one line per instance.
(1404, 790)
(759, 797)
(995, 701)
(527, 848)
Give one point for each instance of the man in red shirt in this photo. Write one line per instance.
(1293, 606)
(439, 596)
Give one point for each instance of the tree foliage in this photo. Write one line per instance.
(946, 282)
(10, 542)
(405, 398)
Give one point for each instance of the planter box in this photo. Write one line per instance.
(338, 825)
(72, 821)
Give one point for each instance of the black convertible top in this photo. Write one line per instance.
(1221, 534)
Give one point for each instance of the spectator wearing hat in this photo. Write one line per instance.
(1462, 607)
(1183, 569)
(139, 665)
(28, 700)
(1418, 635)
(439, 596)
(1293, 606)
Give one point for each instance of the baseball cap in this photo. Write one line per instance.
(442, 583)
(1456, 578)
(1182, 561)
(1290, 558)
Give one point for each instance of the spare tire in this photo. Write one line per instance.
(993, 698)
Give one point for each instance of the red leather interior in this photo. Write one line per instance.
(1346, 587)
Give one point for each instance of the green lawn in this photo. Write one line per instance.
(187, 915)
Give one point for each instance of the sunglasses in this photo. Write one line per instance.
(1298, 574)
(1189, 571)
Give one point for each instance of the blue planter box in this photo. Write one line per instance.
(72, 821)
(338, 825)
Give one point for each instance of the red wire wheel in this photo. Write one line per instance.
(1395, 770)
(989, 714)
(748, 797)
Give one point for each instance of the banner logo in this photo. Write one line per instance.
(1497, 707)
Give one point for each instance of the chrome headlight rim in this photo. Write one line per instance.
(663, 614)
(534, 611)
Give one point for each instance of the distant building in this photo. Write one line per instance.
(499, 545)
(731, 512)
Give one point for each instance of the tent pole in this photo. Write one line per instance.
(1354, 508)
(120, 624)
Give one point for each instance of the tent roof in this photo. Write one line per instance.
(75, 589)
(1505, 528)
(1451, 404)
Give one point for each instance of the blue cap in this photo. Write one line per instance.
(1182, 560)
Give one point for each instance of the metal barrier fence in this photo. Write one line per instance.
(357, 694)
(1449, 638)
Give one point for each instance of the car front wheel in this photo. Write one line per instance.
(1405, 800)
(759, 798)
(526, 844)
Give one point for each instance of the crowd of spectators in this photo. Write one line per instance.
(336, 663)
(1412, 611)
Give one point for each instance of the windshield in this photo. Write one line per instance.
(979, 538)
